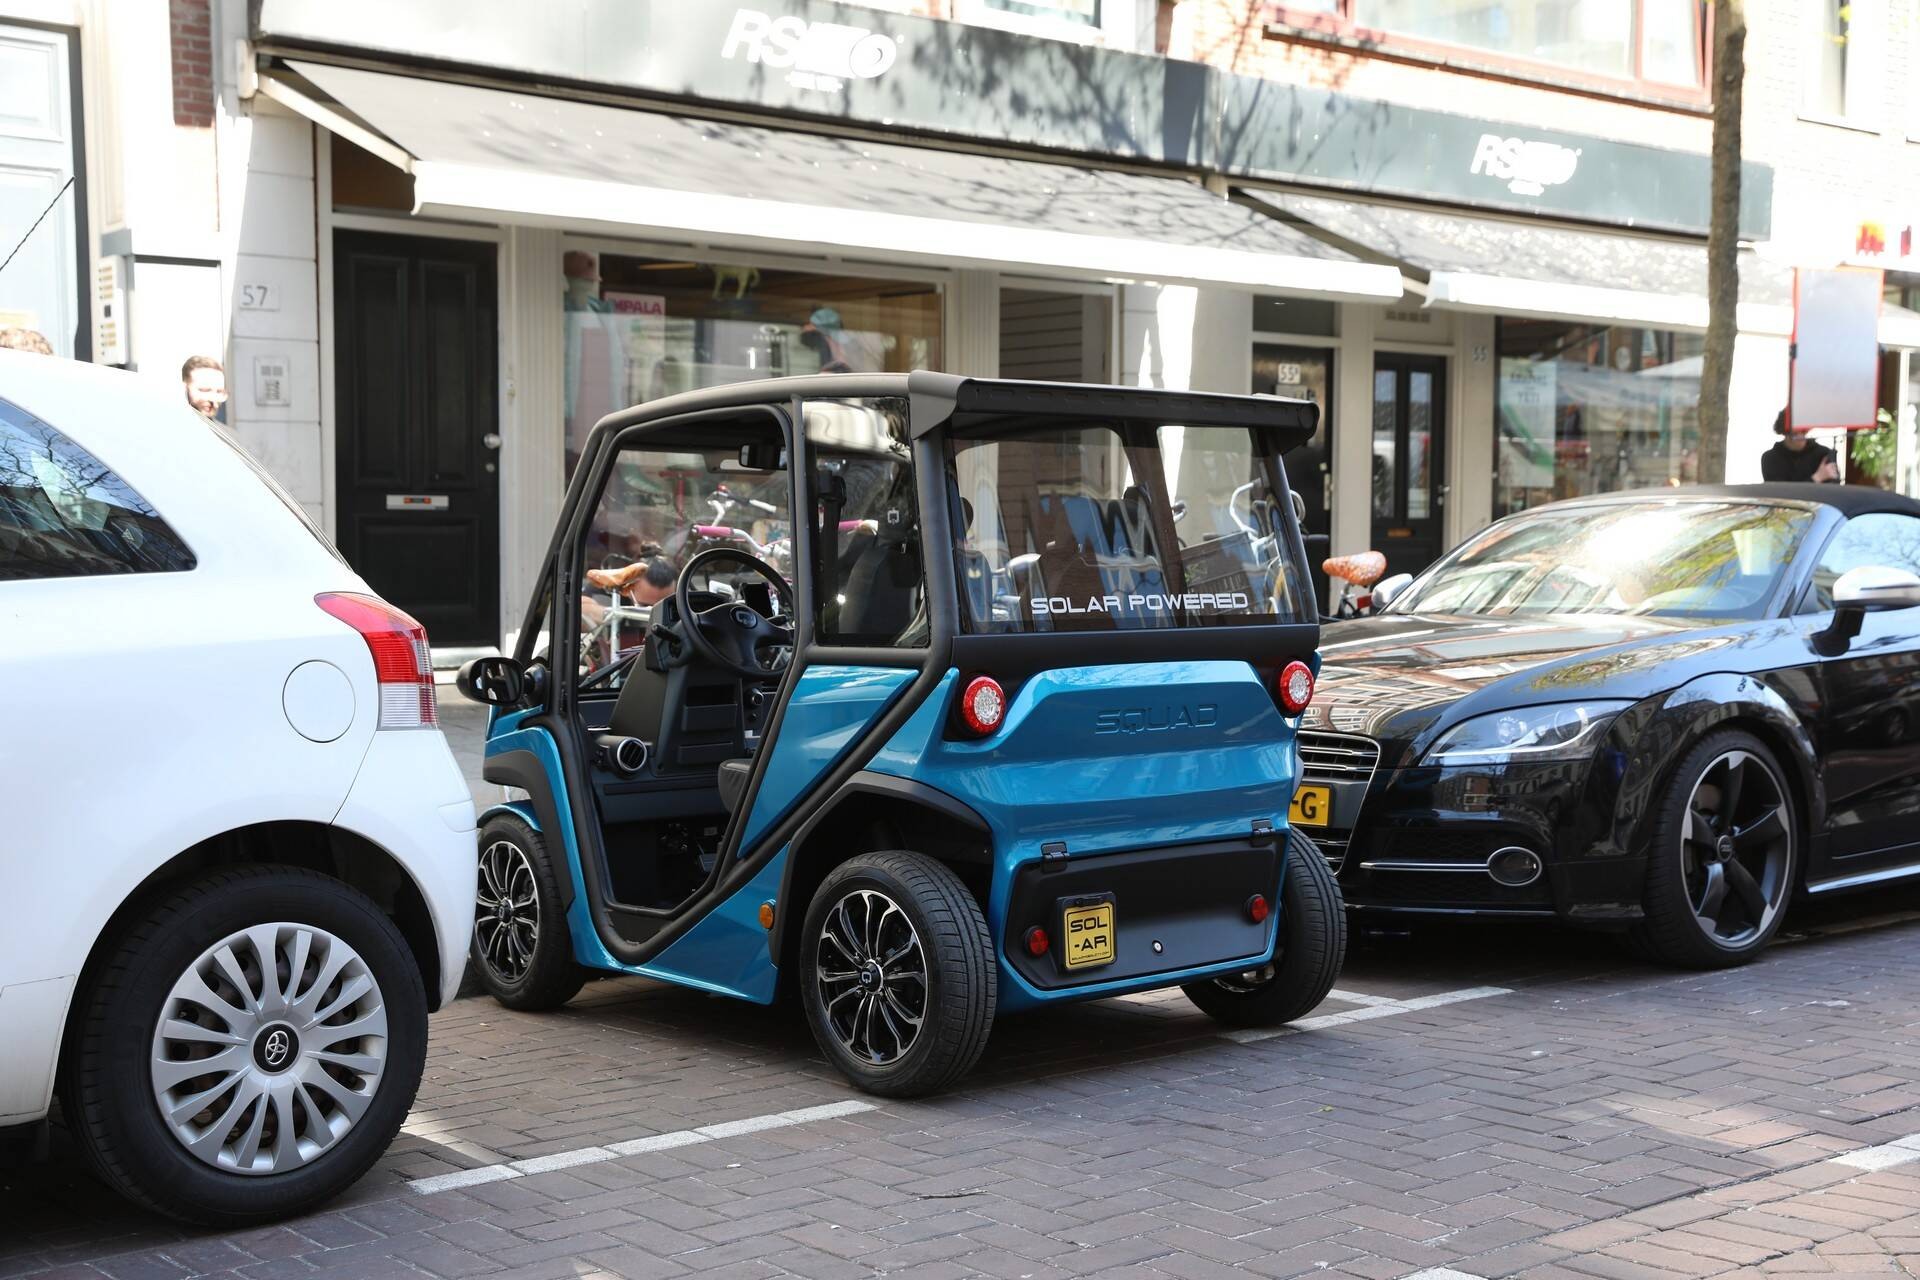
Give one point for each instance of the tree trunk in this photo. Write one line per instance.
(1723, 236)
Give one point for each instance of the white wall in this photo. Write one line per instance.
(1755, 398)
(269, 242)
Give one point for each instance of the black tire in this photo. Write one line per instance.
(956, 1009)
(544, 976)
(109, 1092)
(1671, 934)
(1313, 946)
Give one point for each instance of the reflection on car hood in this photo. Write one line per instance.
(1393, 677)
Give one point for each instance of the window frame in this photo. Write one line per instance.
(811, 510)
(1809, 599)
(1862, 67)
(1340, 29)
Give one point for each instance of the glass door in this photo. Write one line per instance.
(1409, 457)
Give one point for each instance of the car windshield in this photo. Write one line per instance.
(1120, 526)
(1677, 558)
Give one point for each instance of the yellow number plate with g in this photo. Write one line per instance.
(1312, 806)
(1089, 935)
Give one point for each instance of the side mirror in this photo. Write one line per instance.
(1876, 587)
(1387, 589)
(492, 681)
(1858, 592)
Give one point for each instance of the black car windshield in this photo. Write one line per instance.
(1680, 558)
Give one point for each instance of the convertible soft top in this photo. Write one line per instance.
(1848, 499)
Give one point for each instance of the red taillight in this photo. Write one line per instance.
(402, 663)
(1257, 908)
(983, 705)
(1037, 941)
(1295, 687)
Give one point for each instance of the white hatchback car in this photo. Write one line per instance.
(239, 862)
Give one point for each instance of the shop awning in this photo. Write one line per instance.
(1519, 268)
(522, 157)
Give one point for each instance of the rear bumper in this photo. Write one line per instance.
(411, 799)
(1180, 913)
(32, 1015)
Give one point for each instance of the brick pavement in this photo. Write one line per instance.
(1604, 1119)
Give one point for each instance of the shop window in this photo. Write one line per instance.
(641, 328)
(1658, 43)
(1049, 336)
(1583, 409)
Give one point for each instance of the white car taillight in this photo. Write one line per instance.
(402, 662)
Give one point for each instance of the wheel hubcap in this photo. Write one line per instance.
(270, 1048)
(506, 913)
(871, 974)
(1736, 849)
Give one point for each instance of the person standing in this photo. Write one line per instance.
(205, 382)
(1796, 458)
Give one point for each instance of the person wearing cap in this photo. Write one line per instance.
(1796, 458)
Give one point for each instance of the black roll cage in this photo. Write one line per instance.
(937, 403)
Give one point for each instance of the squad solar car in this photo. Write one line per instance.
(1015, 726)
(1662, 713)
(239, 856)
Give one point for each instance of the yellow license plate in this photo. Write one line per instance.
(1312, 806)
(1089, 935)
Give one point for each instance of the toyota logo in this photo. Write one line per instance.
(278, 1045)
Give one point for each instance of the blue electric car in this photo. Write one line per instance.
(925, 697)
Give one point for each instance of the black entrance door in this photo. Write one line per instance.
(418, 473)
(1409, 446)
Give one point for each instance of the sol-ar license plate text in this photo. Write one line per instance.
(1312, 806)
(1088, 930)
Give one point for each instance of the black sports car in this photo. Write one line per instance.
(1665, 712)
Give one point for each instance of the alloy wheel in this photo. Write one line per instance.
(269, 1048)
(1736, 849)
(506, 910)
(872, 976)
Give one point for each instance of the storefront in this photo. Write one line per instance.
(574, 217)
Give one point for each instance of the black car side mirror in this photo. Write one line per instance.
(1858, 592)
(492, 681)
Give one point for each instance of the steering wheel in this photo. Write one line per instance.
(731, 634)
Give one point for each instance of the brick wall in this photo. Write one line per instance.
(191, 27)
(1232, 34)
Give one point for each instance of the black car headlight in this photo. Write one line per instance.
(1561, 731)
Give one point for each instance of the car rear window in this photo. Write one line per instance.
(1113, 526)
(66, 514)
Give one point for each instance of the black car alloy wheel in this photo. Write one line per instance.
(1722, 856)
(1737, 847)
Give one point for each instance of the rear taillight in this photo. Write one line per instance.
(983, 705)
(402, 663)
(1295, 687)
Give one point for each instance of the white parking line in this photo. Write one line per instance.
(1442, 1273)
(1885, 1156)
(638, 1146)
(1380, 1007)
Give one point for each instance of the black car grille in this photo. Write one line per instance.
(1337, 757)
